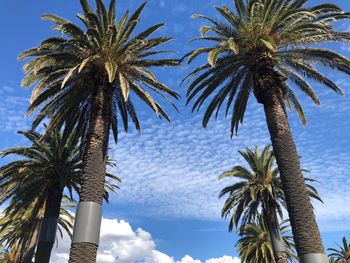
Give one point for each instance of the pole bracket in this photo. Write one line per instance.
(313, 258)
(87, 223)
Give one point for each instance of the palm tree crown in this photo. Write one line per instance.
(342, 253)
(68, 70)
(261, 35)
(50, 159)
(259, 188)
(254, 246)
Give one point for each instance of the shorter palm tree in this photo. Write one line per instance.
(260, 189)
(342, 253)
(254, 246)
(52, 163)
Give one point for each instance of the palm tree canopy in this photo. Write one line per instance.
(284, 33)
(52, 158)
(259, 185)
(65, 70)
(254, 246)
(342, 253)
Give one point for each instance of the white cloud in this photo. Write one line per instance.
(224, 259)
(119, 243)
(12, 113)
(188, 259)
(159, 257)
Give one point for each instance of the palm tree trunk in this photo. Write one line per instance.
(269, 90)
(48, 226)
(89, 212)
(278, 246)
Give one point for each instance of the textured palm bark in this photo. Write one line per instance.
(52, 210)
(279, 252)
(95, 157)
(269, 90)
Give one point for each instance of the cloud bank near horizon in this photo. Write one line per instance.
(119, 243)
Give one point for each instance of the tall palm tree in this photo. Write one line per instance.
(85, 78)
(259, 189)
(342, 253)
(266, 47)
(254, 245)
(35, 184)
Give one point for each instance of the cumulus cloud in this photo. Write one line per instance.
(224, 259)
(119, 243)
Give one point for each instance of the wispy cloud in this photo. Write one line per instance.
(172, 170)
(12, 110)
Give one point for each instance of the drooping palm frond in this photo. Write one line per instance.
(287, 33)
(66, 71)
(259, 184)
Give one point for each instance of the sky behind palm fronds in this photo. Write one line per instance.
(169, 194)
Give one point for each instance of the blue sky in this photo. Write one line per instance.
(169, 172)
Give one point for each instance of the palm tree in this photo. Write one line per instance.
(35, 184)
(84, 79)
(254, 245)
(260, 189)
(265, 47)
(342, 254)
